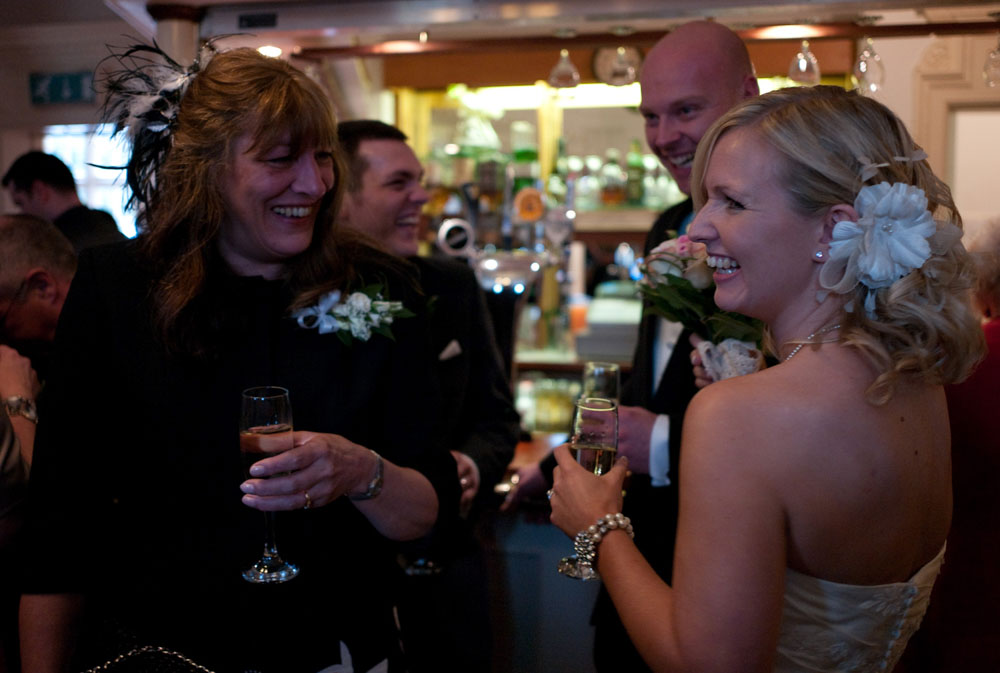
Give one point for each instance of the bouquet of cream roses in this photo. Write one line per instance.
(677, 284)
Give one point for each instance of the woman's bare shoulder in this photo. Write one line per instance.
(769, 415)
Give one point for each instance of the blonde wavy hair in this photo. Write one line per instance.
(923, 325)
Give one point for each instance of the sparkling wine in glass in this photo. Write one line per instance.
(266, 429)
(594, 444)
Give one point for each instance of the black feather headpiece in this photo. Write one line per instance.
(142, 98)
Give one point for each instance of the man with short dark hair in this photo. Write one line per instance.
(42, 185)
(444, 617)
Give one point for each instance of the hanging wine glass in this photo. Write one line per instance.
(564, 74)
(622, 71)
(868, 70)
(804, 68)
(991, 69)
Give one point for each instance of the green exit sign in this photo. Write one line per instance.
(62, 87)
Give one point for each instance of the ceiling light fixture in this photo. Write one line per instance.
(623, 71)
(991, 68)
(804, 68)
(564, 74)
(869, 73)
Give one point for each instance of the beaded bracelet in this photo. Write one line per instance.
(586, 541)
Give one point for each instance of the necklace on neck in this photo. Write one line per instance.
(809, 340)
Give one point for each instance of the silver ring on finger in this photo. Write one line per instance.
(309, 501)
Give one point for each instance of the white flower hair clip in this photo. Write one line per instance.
(894, 234)
(869, 169)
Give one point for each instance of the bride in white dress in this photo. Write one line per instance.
(815, 495)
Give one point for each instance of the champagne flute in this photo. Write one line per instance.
(594, 444)
(601, 379)
(266, 429)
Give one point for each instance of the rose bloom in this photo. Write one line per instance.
(679, 257)
(697, 271)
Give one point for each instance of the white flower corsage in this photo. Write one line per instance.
(891, 238)
(360, 315)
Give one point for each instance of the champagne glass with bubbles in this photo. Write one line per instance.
(266, 429)
(594, 444)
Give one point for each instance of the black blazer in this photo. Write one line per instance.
(477, 405)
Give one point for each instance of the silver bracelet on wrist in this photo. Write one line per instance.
(586, 541)
(375, 485)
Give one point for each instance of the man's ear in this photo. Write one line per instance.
(41, 284)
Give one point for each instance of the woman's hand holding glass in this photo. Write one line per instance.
(323, 465)
(579, 497)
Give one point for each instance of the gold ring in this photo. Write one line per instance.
(309, 501)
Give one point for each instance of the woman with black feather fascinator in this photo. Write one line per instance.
(239, 278)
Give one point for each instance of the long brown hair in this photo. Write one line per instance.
(238, 92)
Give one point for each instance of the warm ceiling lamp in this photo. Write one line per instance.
(788, 32)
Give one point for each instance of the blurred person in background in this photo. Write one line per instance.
(37, 264)
(41, 184)
(961, 631)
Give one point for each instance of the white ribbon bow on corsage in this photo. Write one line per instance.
(894, 234)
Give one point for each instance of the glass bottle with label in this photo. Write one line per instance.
(613, 179)
(525, 155)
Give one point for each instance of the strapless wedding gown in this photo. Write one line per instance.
(828, 627)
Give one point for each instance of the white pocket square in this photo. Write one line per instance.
(453, 349)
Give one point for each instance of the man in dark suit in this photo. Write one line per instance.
(444, 616)
(689, 79)
(42, 185)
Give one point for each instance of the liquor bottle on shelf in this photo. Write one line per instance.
(558, 181)
(634, 172)
(613, 179)
(525, 155)
(588, 185)
(652, 196)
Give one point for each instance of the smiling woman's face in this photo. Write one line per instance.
(760, 247)
(271, 198)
